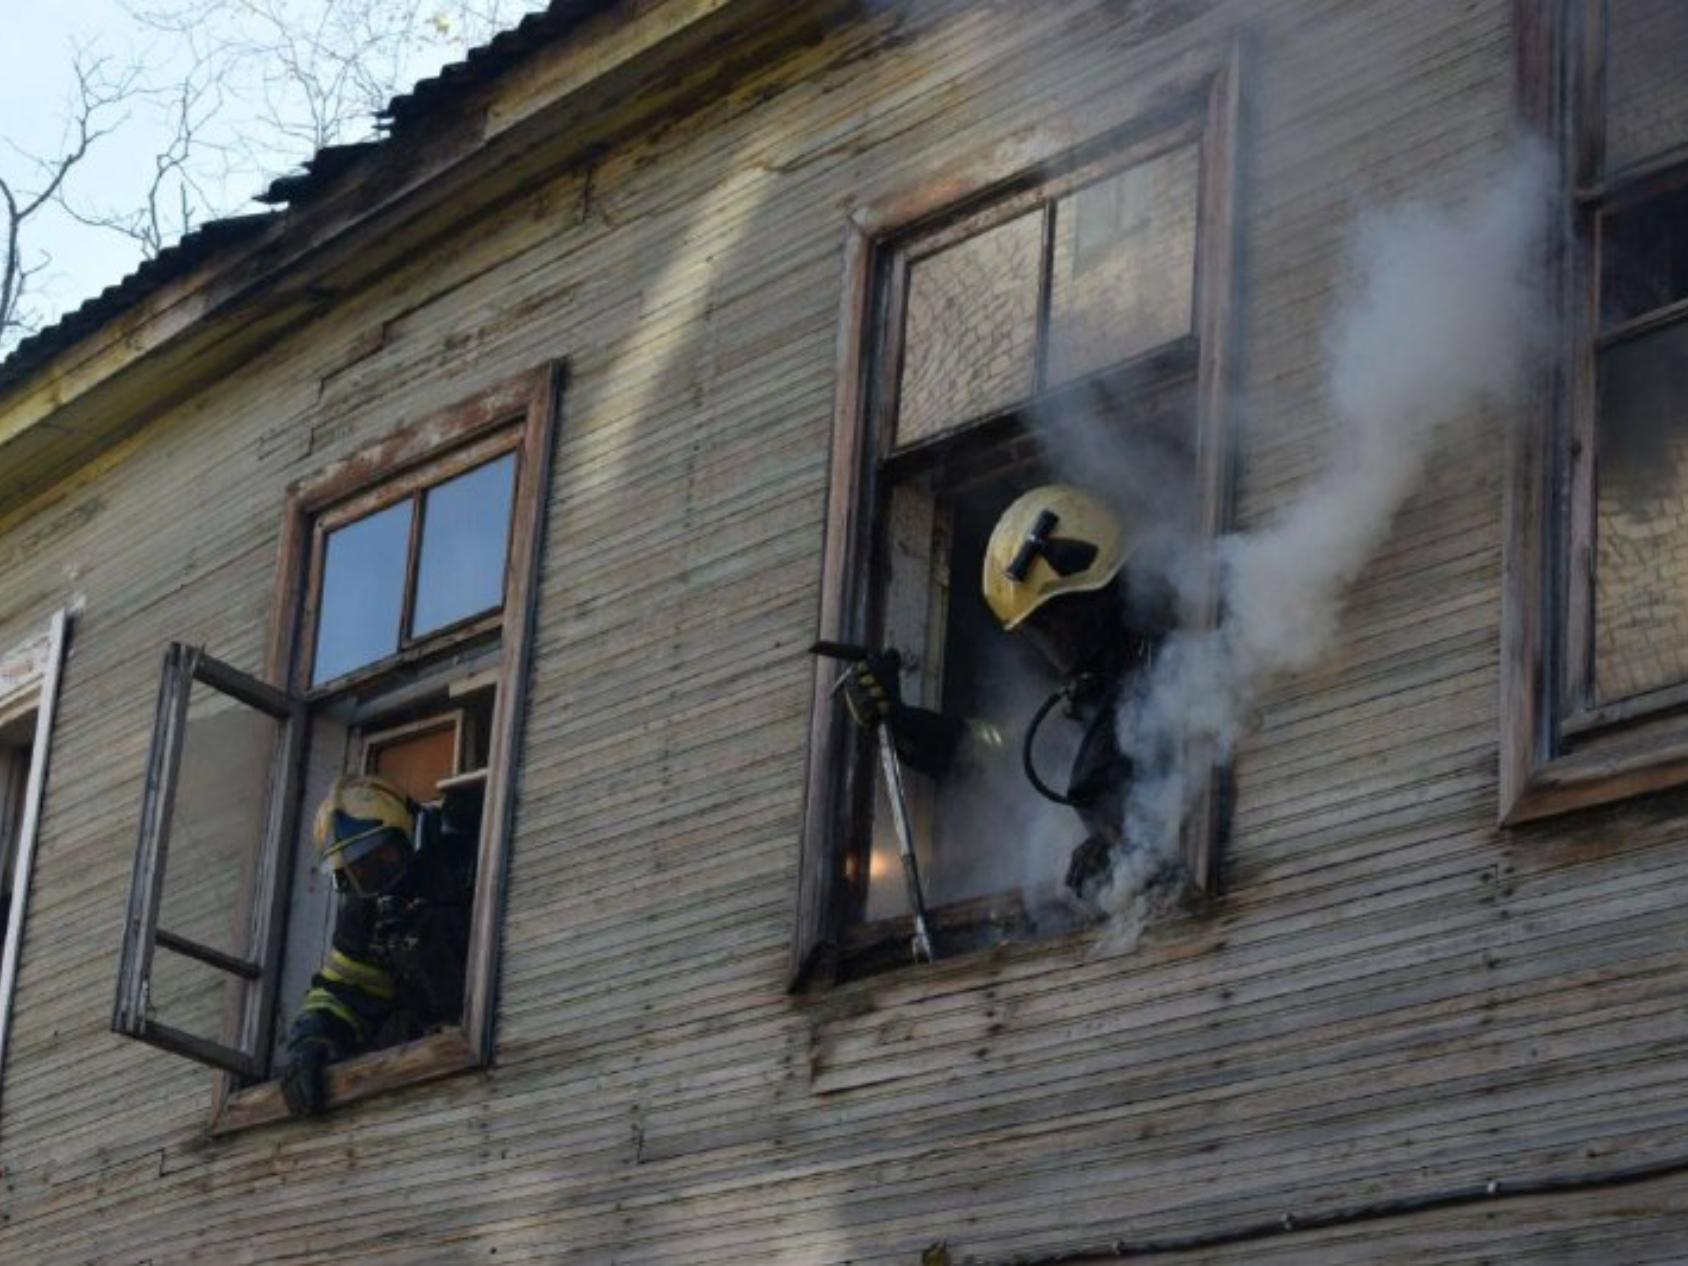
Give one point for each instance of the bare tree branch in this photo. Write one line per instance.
(99, 96)
(232, 92)
(170, 203)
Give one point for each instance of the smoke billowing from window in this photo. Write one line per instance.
(1442, 320)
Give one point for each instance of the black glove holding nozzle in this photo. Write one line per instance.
(873, 692)
(872, 689)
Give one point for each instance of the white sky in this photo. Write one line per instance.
(35, 83)
(36, 86)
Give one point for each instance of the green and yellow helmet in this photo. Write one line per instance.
(365, 834)
(1053, 540)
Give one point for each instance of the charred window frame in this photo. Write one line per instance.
(29, 693)
(487, 649)
(1575, 734)
(1197, 105)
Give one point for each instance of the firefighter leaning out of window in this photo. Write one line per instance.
(1052, 574)
(405, 874)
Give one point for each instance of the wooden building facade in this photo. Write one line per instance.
(642, 263)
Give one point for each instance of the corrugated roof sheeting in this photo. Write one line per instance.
(400, 120)
(170, 263)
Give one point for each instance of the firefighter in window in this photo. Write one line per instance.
(1052, 574)
(405, 874)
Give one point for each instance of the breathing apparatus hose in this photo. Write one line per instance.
(1026, 757)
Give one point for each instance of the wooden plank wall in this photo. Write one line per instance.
(1393, 997)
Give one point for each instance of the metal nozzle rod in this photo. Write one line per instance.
(905, 841)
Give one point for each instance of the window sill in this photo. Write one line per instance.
(1584, 780)
(362, 1077)
(961, 929)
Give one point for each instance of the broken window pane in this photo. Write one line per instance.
(1646, 54)
(970, 338)
(915, 605)
(993, 832)
(982, 829)
(1124, 268)
(465, 536)
(1641, 528)
(1644, 257)
(363, 576)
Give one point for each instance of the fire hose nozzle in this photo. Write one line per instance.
(852, 652)
(893, 774)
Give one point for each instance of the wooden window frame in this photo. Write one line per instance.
(1202, 93)
(29, 683)
(519, 415)
(266, 893)
(413, 486)
(1561, 750)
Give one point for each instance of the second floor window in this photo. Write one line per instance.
(1597, 671)
(1033, 425)
(263, 928)
(1633, 223)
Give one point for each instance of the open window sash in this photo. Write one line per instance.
(256, 964)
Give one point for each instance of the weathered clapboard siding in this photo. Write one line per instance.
(1393, 997)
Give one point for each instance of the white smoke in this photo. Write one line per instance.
(1441, 324)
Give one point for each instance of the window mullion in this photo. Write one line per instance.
(1587, 99)
(1045, 297)
(413, 561)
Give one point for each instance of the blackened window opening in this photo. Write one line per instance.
(16, 747)
(992, 852)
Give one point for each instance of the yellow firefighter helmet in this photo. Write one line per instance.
(364, 833)
(1053, 540)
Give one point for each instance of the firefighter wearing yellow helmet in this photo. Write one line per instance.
(1052, 573)
(404, 875)
(1052, 541)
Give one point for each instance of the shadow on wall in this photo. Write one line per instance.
(676, 1138)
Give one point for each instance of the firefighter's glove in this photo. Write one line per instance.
(872, 689)
(1090, 869)
(304, 1083)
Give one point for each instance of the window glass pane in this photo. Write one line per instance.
(362, 592)
(312, 902)
(216, 830)
(1641, 528)
(970, 338)
(1644, 257)
(1124, 268)
(1646, 60)
(465, 535)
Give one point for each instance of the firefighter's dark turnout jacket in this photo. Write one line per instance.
(395, 968)
(1100, 776)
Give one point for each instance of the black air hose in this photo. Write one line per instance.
(1042, 788)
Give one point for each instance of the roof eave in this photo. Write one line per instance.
(246, 286)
